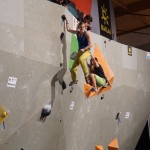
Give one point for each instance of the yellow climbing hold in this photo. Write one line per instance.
(3, 114)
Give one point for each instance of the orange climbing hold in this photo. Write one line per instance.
(108, 72)
(113, 145)
(99, 147)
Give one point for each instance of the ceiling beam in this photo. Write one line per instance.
(120, 4)
(139, 6)
(122, 32)
(131, 8)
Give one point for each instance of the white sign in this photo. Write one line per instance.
(12, 82)
(148, 55)
(127, 115)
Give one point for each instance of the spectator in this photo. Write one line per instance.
(87, 20)
(62, 2)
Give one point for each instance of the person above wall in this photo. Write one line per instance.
(84, 44)
(97, 75)
(87, 20)
(80, 16)
(61, 2)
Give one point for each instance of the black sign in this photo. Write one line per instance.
(130, 50)
(104, 18)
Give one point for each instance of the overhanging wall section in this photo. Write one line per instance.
(32, 51)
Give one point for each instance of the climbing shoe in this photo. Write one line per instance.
(94, 89)
(73, 82)
(87, 79)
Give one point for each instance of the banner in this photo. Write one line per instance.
(104, 18)
(83, 5)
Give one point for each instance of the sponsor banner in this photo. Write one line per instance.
(83, 5)
(104, 18)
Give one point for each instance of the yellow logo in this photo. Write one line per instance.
(105, 17)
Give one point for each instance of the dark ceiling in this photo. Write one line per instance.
(131, 15)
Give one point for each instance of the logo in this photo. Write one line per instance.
(104, 16)
(129, 50)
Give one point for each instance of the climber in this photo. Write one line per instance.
(84, 43)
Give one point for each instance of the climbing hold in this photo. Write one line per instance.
(61, 64)
(118, 117)
(63, 17)
(61, 36)
(71, 89)
(113, 145)
(4, 125)
(63, 84)
(109, 74)
(4, 114)
(46, 111)
(102, 97)
(99, 147)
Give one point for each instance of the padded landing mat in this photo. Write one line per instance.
(108, 72)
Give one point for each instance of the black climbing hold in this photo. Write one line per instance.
(46, 111)
(61, 36)
(63, 85)
(4, 125)
(118, 115)
(63, 17)
(61, 64)
(102, 97)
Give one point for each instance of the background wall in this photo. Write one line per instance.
(137, 39)
(31, 50)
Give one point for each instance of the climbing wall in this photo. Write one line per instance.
(34, 60)
(31, 51)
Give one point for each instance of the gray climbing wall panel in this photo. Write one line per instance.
(31, 50)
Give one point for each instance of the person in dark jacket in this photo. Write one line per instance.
(97, 75)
